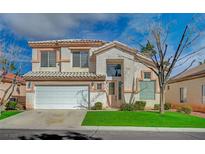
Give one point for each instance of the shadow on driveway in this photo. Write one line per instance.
(67, 136)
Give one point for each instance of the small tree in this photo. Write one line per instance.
(162, 64)
(8, 64)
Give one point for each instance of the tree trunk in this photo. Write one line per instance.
(162, 100)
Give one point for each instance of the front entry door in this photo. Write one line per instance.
(115, 92)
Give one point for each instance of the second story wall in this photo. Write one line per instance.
(63, 59)
(37, 59)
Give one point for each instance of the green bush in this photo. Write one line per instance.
(167, 106)
(139, 105)
(156, 106)
(185, 109)
(11, 105)
(97, 106)
(127, 107)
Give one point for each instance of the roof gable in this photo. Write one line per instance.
(114, 44)
(123, 47)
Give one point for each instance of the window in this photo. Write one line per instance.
(168, 87)
(147, 75)
(48, 59)
(114, 70)
(203, 93)
(147, 90)
(111, 88)
(99, 86)
(29, 85)
(120, 90)
(80, 59)
(183, 95)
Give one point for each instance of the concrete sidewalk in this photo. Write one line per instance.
(140, 129)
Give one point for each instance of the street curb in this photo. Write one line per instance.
(141, 129)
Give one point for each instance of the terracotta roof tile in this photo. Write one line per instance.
(63, 76)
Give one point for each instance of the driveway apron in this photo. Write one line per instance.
(45, 119)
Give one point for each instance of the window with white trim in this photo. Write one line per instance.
(80, 59)
(48, 59)
(99, 86)
(203, 93)
(183, 95)
(147, 75)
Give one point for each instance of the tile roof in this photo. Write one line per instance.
(63, 76)
(196, 72)
(68, 41)
(10, 76)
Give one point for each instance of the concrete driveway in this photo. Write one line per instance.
(45, 119)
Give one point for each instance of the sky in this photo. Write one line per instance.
(131, 29)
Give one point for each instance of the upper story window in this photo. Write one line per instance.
(80, 59)
(48, 59)
(147, 75)
(114, 70)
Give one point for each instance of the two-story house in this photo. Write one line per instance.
(75, 73)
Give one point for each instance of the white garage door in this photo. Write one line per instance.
(61, 97)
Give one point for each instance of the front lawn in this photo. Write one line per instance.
(142, 119)
(6, 114)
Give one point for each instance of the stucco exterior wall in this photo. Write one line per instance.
(95, 95)
(194, 91)
(133, 73)
(18, 90)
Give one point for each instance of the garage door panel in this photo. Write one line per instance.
(60, 97)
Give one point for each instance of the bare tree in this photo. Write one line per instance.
(162, 63)
(8, 64)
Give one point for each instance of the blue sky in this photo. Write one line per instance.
(20, 28)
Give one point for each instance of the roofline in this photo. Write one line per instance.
(47, 78)
(190, 77)
(123, 46)
(62, 43)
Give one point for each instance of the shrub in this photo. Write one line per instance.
(97, 106)
(156, 106)
(139, 105)
(11, 105)
(185, 109)
(167, 106)
(127, 107)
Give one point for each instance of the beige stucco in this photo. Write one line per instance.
(19, 91)
(194, 91)
(94, 94)
(132, 74)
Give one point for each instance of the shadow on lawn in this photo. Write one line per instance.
(67, 136)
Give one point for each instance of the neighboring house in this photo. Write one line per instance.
(189, 87)
(19, 93)
(76, 73)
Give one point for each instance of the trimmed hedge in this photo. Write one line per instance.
(156, 106)
(167, 106)
(11, 105)
(139, 105)
(97, 106)
(127, 107)
(185, 109)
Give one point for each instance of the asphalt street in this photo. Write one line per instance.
(22, 134)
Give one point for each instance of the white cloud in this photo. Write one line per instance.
(42, 26)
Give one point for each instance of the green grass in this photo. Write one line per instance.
(6, 114)
(142, 119)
